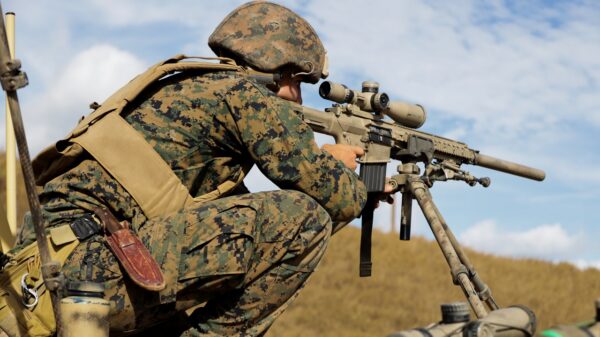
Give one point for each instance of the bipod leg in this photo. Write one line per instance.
(483, 291)
(459, 272)
(406, 216)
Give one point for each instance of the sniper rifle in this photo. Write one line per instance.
(359, 118)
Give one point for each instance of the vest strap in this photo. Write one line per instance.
(125, 153)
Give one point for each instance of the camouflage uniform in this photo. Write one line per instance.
(243, 257)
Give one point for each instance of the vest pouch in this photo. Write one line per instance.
(54, 160)
(124, 152)
(16, 319)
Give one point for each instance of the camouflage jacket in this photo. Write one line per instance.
(206, 127)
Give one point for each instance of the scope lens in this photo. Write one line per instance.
(325, 89)
(338, 93)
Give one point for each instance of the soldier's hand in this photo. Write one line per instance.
(347, 154)
(386, 195)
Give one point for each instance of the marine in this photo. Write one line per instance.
(234, 262)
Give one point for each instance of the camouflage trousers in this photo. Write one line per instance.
(239, 261)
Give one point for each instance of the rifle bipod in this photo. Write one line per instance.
(412, 186)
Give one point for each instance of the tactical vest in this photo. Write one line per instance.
(124, 152)
(133, 162)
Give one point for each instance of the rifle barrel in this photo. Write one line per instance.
(509, 167)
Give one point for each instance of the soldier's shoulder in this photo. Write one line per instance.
(233, 83)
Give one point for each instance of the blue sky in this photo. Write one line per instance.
(516, 80)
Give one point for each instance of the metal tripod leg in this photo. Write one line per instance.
(484, 292)
(460, 273)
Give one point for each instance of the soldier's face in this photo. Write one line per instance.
(289, 89)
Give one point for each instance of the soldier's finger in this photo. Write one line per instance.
(388, 188)
(351, 164)
(358, 151)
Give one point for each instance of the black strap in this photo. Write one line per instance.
(586, 331)
(365, 235)
(85, 226)
(424, 332)
(4, 259)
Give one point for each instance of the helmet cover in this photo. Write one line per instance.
(269, 37)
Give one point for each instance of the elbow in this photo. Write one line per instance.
(348, 214)
(351, 208)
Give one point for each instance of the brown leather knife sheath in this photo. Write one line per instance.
(131, 252)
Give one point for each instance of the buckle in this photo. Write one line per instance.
(85, 226)
(29, 295)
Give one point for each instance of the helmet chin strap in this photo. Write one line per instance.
(271, 81)
(311, 66)
(304, 73)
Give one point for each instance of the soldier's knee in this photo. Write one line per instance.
(314, 217)
(312, 234)
(297, 224)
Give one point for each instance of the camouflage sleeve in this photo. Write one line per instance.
(284, 149)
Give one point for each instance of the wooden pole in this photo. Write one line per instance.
(7, 237)
(12, 79)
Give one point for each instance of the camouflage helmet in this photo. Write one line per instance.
(269, 37)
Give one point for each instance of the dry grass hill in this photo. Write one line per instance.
(410, 280)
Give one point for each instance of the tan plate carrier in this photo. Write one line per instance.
(124, 152)
(132, 161)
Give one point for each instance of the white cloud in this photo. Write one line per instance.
(520, 83)
(508, 75)
(188, 12)
(517, 85)
(585, 264)
(456, 133)
(512, 74)
(91, 75)
(549, 242)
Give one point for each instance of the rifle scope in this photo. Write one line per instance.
(406, 114)
(369, 99)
